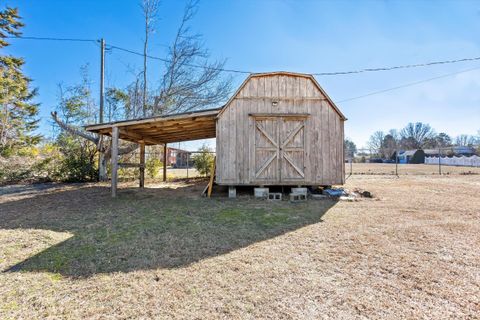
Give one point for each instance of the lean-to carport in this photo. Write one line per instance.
(159, 130)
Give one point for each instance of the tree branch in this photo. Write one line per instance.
(74, 130)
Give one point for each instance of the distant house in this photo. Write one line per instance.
(463, 151)
(176, 156)
(411, 156)
(431, 152)
(184, 159)
(418, 155)
(451, 151)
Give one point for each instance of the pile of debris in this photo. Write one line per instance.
(301, 194)
(341, 194)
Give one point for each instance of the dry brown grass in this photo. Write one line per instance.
(408, 169)
(411, 252)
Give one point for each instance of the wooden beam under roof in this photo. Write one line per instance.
(172, 129)
(129, 134)
(164, 129)
(191, 115)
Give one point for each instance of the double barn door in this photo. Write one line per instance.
(279, 144)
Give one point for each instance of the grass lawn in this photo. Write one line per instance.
(70, 251)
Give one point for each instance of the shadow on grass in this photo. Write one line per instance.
(149, 229)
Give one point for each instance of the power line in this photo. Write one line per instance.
(318, 74)
(407, 85)
(407, 66)
(53, 39)
(109, 47)
(187, 64)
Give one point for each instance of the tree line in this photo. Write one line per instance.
(413, 136)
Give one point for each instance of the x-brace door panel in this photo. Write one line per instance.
(266, 150)
(279, 149)
(292, 149)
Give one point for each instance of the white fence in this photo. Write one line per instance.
(473, 161)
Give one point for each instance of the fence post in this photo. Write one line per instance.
(439, 161)
(187, 163)
(396, 162)
(351, 165)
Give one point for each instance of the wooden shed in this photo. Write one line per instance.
(280, 128)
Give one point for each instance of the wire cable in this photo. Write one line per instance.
(318, 74)
(407, 66)
(407, 85)
(52, 39)
(187, 64)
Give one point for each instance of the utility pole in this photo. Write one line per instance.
(102, 165)
(145, 46)
(102, 78)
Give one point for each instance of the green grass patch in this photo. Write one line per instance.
(132, 233)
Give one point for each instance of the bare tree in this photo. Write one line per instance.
(395, 135)
(349, 148)
(465, 140)
(389, 146)
(414, 135)
(442, 140)
(190, 81)
(150, 12)
(375, 142)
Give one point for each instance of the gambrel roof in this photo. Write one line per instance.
(284, 73)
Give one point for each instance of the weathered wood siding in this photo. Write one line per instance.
(323, 162)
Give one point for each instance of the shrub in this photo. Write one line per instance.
(49, 164)
(153, 166)
(68, 159)
(15, 169)
(79, 163)
(203, 161)
(33, 164)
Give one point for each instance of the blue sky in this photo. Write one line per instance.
(269, 35)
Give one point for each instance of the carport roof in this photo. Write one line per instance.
(163, 129)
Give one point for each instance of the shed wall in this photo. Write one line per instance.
(323, 162)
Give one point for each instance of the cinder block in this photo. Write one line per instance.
(319, 196)
(303, 191)
(297, 197)
(232, 192)
(261, 192)
(347, 198)
(275, 196)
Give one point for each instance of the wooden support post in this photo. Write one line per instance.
(212, 178)
(142, 165)
(114, 161)
(164, 162)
